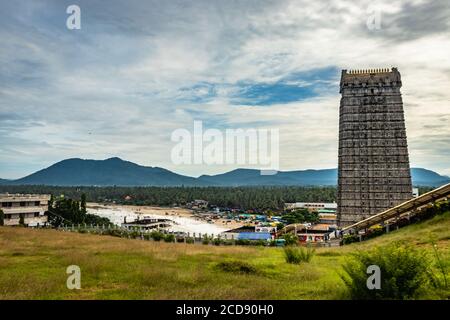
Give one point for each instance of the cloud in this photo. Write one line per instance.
(136, 71)
(416, 19)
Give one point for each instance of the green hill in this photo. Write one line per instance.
(115, 171)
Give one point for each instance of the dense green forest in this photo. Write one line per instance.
(232, 197)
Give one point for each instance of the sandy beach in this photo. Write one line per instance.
(184, 219)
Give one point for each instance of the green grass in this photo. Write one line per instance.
(33, 265)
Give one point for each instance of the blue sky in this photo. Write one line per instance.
(137, 71)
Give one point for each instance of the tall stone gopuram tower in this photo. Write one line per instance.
(374, 172)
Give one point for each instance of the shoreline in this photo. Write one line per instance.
(174, 212)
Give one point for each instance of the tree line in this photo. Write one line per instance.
(262, 198)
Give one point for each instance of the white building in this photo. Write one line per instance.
(311, 205)
(31, 206)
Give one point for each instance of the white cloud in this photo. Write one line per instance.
(114, 88)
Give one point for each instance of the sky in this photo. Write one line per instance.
(137, 71)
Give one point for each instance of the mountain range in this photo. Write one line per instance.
(115, 171)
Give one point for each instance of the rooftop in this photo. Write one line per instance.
(370, 71)
(147, 221)
(19, 196)
(241, 229)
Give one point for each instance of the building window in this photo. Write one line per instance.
(37, 203)
(36, 214)
(22, 203)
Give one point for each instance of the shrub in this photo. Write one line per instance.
(374, 232)
(147, 236)
(280, 225)
(2, 218)
(156, 235)
(189, 240)
(296, 255)
(403, 271)
(134, 234)
(350, 238)
(290, 239)
(169, 238)
(205, 239)
(236, 266)
(217, 241)
(438, 279)
(243, 242)
(21, 219)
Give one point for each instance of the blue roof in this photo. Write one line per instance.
(254, 236)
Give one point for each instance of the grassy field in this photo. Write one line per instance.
(33, 265)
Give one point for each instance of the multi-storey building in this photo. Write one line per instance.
(31, 207)
(311, 206)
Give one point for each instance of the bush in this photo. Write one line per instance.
(95, 220)
(403, 271)
(290, 239)
(217, 241)
(21, 219)
(147, 236)
(169, 238)
(280, 225)
(243, 242)
(205, 240)
(115, 232)
(134, 234)
(156, 235)
(189, 240)
(237, 267)
(350, 238)
(439, 278)
(296, 255)
(374, 232)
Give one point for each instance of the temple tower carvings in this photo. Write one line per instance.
(373, 165)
